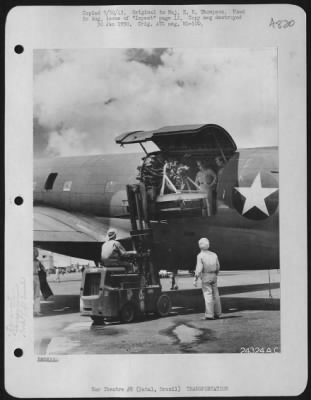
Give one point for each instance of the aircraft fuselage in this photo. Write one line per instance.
(243, 231)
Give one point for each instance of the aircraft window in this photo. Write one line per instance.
(67, 186)
(49, 183)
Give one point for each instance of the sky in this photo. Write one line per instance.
(84, 98)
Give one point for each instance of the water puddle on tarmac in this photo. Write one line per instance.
(187, 334)
(61, 345)
(78, 326)
(188, 337)
(105, 329)
(65, 344)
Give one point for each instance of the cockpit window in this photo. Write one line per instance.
(49, 183)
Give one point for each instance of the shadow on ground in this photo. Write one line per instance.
(60, 304)
(183, 301)
(230, 305)
(193, 301)
(248, 288)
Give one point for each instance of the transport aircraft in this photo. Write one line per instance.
(77, 199)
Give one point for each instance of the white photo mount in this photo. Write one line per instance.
(279, 29)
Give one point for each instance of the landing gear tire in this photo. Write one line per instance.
(98, 320)
(128, 313)
(164, 305)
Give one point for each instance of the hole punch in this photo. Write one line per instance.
(18, 200)
(18, 352)
(19, 49)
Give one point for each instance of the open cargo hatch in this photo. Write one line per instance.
(169, 175)
(185, 138)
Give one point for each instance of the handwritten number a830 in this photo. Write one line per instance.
(281, 23)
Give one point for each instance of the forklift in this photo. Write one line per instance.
(121, 294)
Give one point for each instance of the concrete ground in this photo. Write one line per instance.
(250, 320)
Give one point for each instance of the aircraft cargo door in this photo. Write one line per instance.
(171, 174)
(197, 138)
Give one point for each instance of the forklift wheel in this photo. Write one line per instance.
(128, 313)
(98, 320)
(164, 305)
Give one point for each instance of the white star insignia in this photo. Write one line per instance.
(255, 195)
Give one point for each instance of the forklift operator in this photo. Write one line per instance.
(113, 253)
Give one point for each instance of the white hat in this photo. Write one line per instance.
(112, 233)
(204, 244)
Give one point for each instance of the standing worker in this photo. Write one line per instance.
(39, 283)
(151, 173)
(113, 253)
(220, 165)
(206, 180)
(207, 269)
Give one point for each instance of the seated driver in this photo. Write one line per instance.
(113, 254)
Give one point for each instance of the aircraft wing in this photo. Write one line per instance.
(72, 233)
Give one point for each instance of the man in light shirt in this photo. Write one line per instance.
(206, 179)
(207, 269)
(113, 253)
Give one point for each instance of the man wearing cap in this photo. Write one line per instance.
(207, 269)
(113, 253)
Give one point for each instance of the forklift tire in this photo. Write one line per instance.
(164, 305)
(128, 313)
(98, 320)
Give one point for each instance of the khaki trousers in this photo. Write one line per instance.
(207, 208)
(211, 298)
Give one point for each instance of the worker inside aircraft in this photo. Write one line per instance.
(165, 176)
(220, 163)
(206, 179)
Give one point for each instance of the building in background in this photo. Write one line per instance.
(51, 261)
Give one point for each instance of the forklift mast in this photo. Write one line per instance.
(141, 232)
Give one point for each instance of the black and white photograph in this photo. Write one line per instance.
(161, 194)
(156, 183)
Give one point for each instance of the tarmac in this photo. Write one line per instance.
(250, 321)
